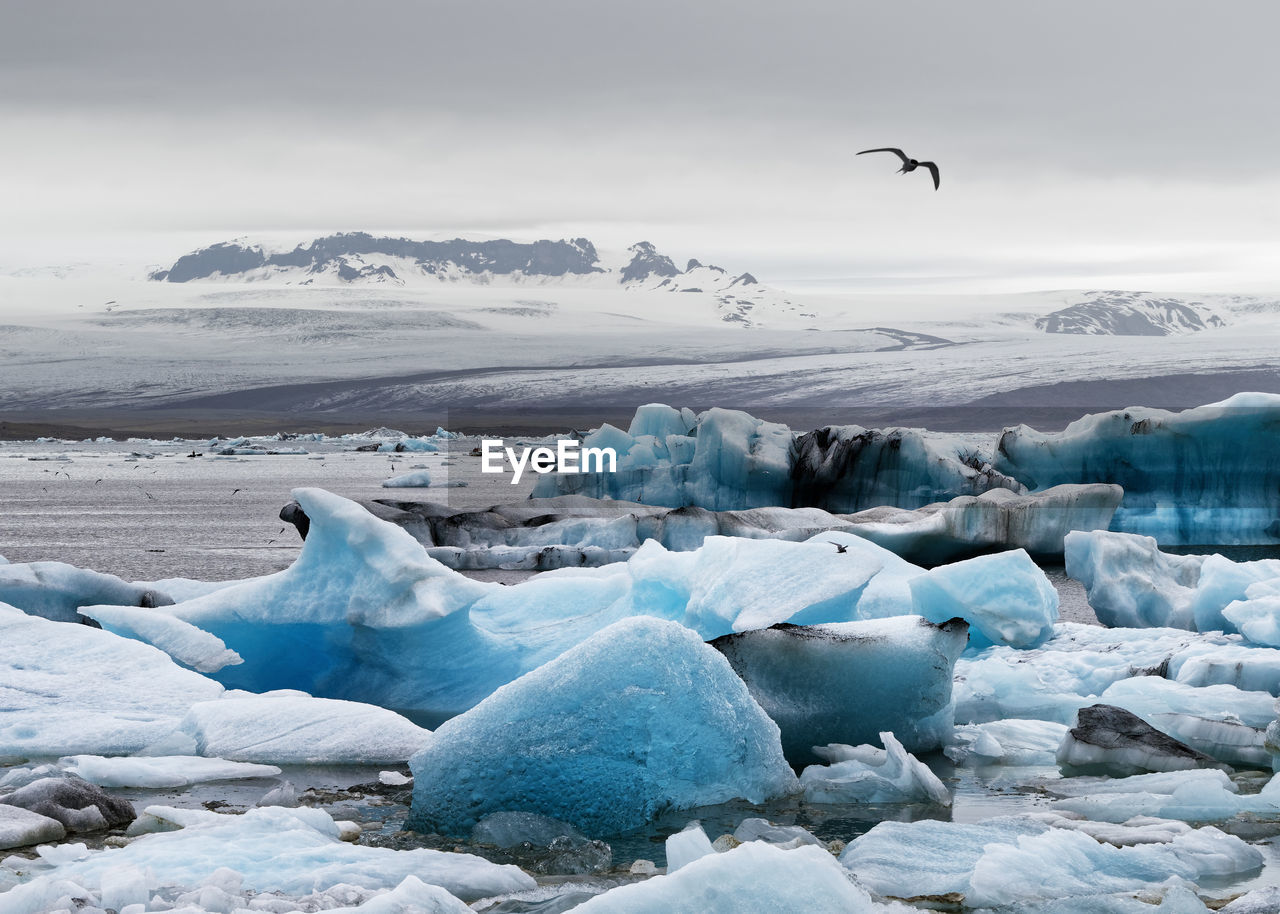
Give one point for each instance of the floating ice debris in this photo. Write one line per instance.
(754, 876)
(414, 445)
(640, 718)
(1016, 861)
(848, 682)
(292, 852)
(1005, 598)
(57, 591)
(1006, 742)
(1068, 671)
(1113, 741)
(1198, 795)
(416, 479)
(868, 774)
(686, 846)
(757, 829)
(394, 778)
(160, 771)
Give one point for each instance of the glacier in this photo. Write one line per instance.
(640, 718)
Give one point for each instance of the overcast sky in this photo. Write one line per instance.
(1131, 143)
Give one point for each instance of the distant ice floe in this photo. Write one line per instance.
(575, 531)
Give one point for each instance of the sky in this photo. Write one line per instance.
(1117, 144)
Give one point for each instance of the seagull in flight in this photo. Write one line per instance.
(909, 164)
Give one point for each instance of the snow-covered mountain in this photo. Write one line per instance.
(358, 258)
(1130, 314)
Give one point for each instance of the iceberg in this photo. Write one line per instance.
(77, 804)
(69, 689)
(640, 718)
(867, 774)
(1203, 475)
(1219, 720)
(729, 460)
(1195, 795)
(1113, 741)
(573, 530)
(1131, 583)
(1005, 598)
(997, 519)
(849, 682)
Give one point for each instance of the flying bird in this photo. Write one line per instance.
(909, 164)
(840, 547)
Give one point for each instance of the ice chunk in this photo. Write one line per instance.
(21, 827)
(1005, 598)
(752, 877)
(190, 646)
(1110, 740)
(508, 829)
(1017, 861)
(56, 591)
(161, 771)
(1006, 742)
(1250, 669)
(1132, 583)
(996, 519)
(1067, 672)
(1258, 619)
(756, 829)
(942, 855)
(416, 479)
(847, 683)
(686, 846)
(300, 730)
(639, 718)
(75, 689)
(290, 851)
(1219, 720)
(77, 804)
(1262, 900)
(867, 774)
(1200, 795)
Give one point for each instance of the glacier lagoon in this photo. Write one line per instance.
(991, 775)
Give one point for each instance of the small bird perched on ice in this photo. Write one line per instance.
(909, 164)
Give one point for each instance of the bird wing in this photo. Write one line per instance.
(933, 170)
(898, 152)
